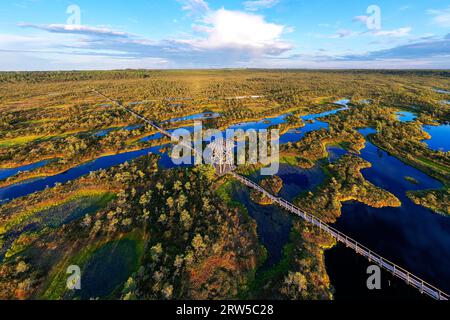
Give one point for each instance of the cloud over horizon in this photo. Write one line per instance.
(255, 5)
(427, 48)
(77, 29)
(217, 37)
(441, 17)
(194, 6)
(235, 30)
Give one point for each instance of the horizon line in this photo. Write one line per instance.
(229, 69)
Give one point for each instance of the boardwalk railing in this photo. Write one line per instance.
(153, 124)
(408, 277)
(411, 279)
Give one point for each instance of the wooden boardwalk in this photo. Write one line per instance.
(408, 277)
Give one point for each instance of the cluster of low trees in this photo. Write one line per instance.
(195, 246)
(345, 183)
(405, 140)
(198, 248)
(273, 185)
(436, 200)
(58, 76)
(313, 146)
(307, 278)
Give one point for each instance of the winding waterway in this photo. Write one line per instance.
(440, 133)
(411, 236)
(6, 173)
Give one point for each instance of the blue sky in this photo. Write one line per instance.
(115, 34)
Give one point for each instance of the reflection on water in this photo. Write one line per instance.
(439, 134)
(335, 153)
(274, 224)
(105, 132)
(27, 187)
(442, 91)
(6, 173)
(406, 116)
(199, 116)
(411, 236)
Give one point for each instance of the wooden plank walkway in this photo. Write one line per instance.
(408, 277)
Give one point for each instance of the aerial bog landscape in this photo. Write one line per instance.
(87, 183)
(260, 154)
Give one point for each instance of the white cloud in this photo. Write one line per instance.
(254, 5)
(396, 33)
(37, 61)
(194, 6)
(441, 17)
(344, 33)
(362, 19)
(241, 31)
(10, 42)
(76, 29)
(430, 48)
(221, 38)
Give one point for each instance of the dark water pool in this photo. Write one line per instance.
(199, 116)
(108, 268)
(411, 236)
(440, 136)
(274, 224)
(30, 186)
(6, 173)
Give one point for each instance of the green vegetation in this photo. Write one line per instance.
(56, 212)
(273, 185)
(313, 146)
(292, 122)
(301, 274)
(346, 184)
(18, 141)
(53, 115)
(412, 180)
(177, 234)
(405, 140)
(106, 267)
(191, 246)
(436, 200)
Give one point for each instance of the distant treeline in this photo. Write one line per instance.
(400, 72)
(57, 76)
